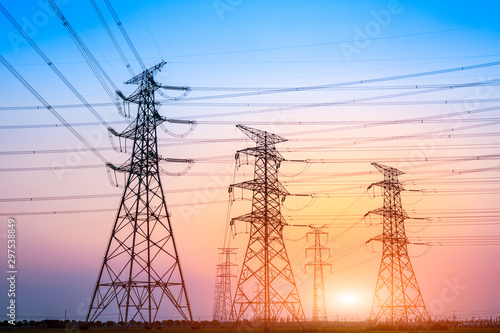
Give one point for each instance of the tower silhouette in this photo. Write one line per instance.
(397, 299)
(319, 297)
(266, 289)
(140, 277)
(223, 291)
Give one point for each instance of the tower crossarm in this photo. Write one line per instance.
(319, 248)
(387, 169)
(388, 184)
(151, 72)
(261, 137)
(128, 133)
(254, 217)
(259, 151)
(318, 263)
(384, 211)
(258, 185)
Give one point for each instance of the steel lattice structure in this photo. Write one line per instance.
(141, 276)
(223, 291)
(266, 289)
(397, 299)
(319, 297)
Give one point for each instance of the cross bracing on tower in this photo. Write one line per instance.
(266, 291)
(223, 285)
(397, 299)
(140, 277)
(319, 297)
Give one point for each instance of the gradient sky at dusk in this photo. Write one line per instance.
(262, 44)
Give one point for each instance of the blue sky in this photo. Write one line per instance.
(237, 44)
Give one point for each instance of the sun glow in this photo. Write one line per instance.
(348, 299)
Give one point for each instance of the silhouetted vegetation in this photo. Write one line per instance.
(181, 326)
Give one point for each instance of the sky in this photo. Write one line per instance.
(396, 101)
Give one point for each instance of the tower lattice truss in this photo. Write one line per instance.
(319, 297)
(223, 290)
(397, 299)
(266, 291)
(140, 278)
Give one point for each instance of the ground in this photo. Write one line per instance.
(244, 330)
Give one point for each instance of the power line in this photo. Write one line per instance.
(353, 83)
(65, 197)
(457, 240)
(356, 141)
(323, 61)
(290, 61)
(52, 66)
(361, 124)
(303, 105)
(378, 148)
(312, 45)
(440, 160)
(344, 85)
(94, 65)
(445, 133)
(414, 159)
(124, 33)
(271, 104)
(347, 88)
(319, 105)
(149, 29)
(112, 37)
(51, 110)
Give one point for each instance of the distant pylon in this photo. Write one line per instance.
(140, 277)
(319, 297)
(223, 294)
(266, 262)
(397, 298)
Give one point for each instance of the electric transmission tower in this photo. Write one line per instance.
(223, 295)
(397, 299)
(319, 298)
(266, 265)
(140, 277)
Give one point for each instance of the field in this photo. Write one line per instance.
(247, 330)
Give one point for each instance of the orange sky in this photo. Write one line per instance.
(438, 131)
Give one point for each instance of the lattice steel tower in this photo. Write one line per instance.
(140, 277)
(397, 299)
(319, 297)
(266, 264)
(223, 291)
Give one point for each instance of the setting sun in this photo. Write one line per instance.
(324, 166)
(348, 299)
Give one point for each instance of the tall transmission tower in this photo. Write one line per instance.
(266, 265)
(223, 294)
(397, 299)
(319, 297)
(140, 277)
